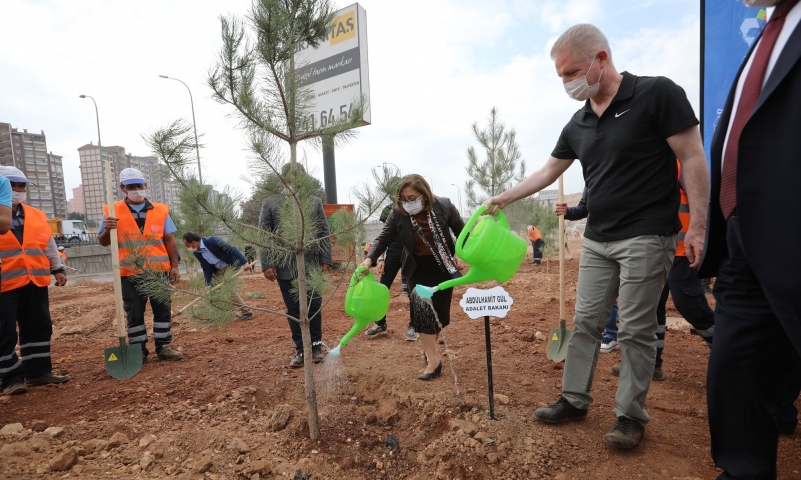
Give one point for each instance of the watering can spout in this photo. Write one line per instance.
(474, 275)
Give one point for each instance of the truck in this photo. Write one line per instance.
(70, 232)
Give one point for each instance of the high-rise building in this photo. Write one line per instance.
(75, 204)
(28, 152)
(160, 189)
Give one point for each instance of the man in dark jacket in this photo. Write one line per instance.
(286, 271)
(755, 176)
(215, 256)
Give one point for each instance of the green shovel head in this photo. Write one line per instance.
(123, 361)
(557, 342)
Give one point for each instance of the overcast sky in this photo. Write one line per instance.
(436, 66)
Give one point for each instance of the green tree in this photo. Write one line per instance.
(502, 160)
(76, 216)
(254, 76)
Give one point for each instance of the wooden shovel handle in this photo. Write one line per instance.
(561, 251)
(115, 252)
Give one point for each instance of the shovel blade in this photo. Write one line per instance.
(123, 361)
(557, 342)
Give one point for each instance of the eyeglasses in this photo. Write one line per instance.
(410, 200)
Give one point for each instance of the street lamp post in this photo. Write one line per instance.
(194, 125)
(459, 190)
(100, 156)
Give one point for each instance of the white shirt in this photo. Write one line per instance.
(790, 23)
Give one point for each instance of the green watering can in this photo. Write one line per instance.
(366, 301)
(491, 249)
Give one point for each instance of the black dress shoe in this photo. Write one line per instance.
(560, 411)
(428, 376)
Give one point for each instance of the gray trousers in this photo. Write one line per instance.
(633, 270)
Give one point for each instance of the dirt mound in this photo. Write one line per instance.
(232, 408)
(84, 282)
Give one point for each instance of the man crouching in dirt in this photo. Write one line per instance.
(29, 256)
(270, 219)
(146, 228)
(627, 135)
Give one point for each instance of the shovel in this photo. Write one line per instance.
(557, 341)
(121, 362)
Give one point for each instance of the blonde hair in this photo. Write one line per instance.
(417, 182)
(582, 41)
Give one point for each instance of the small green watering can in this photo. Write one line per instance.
(366, 301)
(491, 249)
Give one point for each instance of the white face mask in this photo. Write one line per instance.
(191, 249)
(136, 195)
(18, 197)
(415, 207)
(760, 3)
(579, 89)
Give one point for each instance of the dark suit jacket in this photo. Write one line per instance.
(222, 250)
(399, 226)
(768, 188)
(316, 254)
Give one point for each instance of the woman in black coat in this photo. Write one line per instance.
(423, 222)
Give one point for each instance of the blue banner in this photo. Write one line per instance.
(729, 29)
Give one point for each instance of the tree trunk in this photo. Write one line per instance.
(308, 371)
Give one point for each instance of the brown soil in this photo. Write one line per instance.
(212, 413)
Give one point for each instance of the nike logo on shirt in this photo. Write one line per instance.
(621, 113)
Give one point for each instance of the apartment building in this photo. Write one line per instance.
(28, 152)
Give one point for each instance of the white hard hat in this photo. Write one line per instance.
(61, 248)
(14, 174)
(131, 176)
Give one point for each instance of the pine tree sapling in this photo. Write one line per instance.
(254, 75)
(502, 163)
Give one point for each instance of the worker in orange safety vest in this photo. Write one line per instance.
(29, 256)
(145, 234)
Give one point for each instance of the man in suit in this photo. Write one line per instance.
(215, 256)
(755, 175)
(284, 268)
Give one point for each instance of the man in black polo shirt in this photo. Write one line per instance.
(627, 138)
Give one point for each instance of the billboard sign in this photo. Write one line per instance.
(549, 194)
(729, 30)
(336, 71)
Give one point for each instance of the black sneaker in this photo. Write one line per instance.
(15, 389)
(317, 354)
(626, 433)
(560, 411)
(377, 330)
(46, 380)
(297, 360)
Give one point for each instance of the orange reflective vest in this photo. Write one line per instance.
(684, 216)
(141, 249)
(63, 257)
(534, 234)
(26, 263)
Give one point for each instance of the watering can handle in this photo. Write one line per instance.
(472, 221)
(358, 274)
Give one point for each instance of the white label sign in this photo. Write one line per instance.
(337, 69)
(478, 303)
(549, 194)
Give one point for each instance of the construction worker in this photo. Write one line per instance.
(29, 256)
(537, 242)
(215, 256)
(145, 231)
(62, 255)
